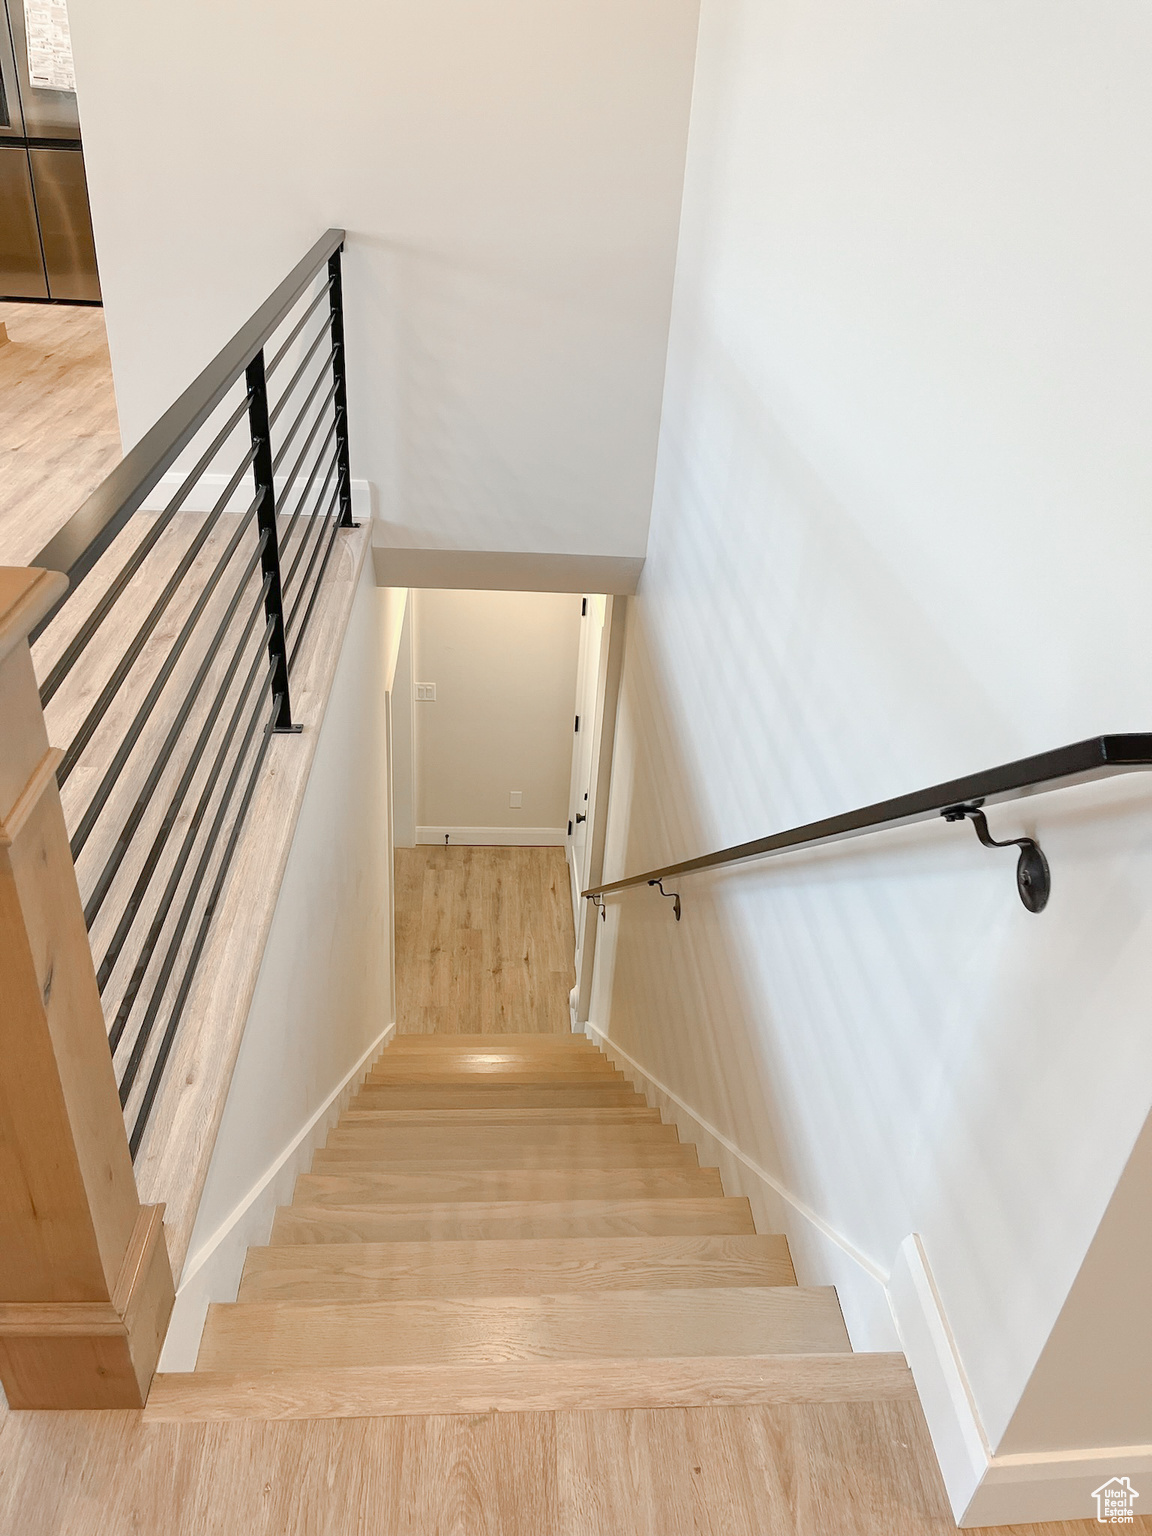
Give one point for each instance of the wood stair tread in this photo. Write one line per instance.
(379, 1271)
(580, 1115)
(385, 1140)
(468, 1330)
(527, 1386)
(447, 1044)
(502, 1095)
(434, 1074)
(502, 1223)
(383, 1187)
(493, 1065)
(352, 1158)
(493, 1220)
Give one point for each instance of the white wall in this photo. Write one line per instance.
(1095, 1364)
(504, 667)
(901, 532)
(322, 1006)
(510, 178)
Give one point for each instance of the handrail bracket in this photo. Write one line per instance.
(1033, 877)
(673, 897)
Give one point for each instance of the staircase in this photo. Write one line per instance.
(502, 1222)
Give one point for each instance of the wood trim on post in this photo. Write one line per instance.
(85, 1282)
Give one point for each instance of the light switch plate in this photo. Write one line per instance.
(426, 693)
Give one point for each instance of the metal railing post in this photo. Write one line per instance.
(340, 400)
(266, 522)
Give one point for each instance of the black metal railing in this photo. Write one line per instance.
(167, 667)
(960, 799)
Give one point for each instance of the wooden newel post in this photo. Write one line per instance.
(85, 1281)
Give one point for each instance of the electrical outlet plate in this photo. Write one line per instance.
(515, 799)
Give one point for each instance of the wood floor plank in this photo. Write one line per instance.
(360, 1391)
(507, 1184)
(413, 1222)
(472, 1331)
(381, 1271)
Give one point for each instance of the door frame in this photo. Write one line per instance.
(609, 671)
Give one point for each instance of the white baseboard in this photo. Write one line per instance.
(985, 1489)
(212, 1272)
(822, 1255)
(1053, 1485)
(958, 1436)
(203, 494)
(499, 837)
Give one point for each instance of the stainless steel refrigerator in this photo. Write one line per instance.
(46, 247)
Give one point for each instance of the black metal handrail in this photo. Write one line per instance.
(170, 669)
(1099, 757)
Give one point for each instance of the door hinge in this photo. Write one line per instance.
(577, 726)
(583, 607)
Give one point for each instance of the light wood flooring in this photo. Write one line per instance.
(811, 1469)
(59, 435)
(484, 941)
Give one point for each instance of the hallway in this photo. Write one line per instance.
(483, 941)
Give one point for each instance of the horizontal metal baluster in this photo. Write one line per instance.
(127, 831)
(322, 520)
(316, 518)
(159, 682)
(102, 609)
(144, 959)
(303, 496)
(287, 486)
(324, 333)
(139, 640)
(135, 902)
(294, 428)
(315, 585)
(181, 999)
(296, 329)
